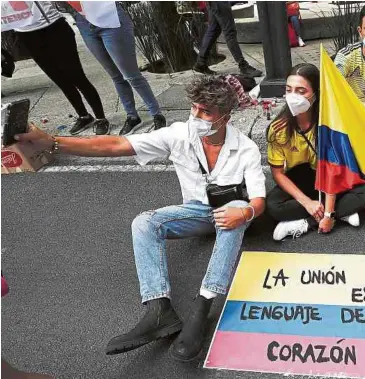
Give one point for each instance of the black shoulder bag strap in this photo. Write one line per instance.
(307, 140)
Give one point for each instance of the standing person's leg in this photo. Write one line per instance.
(296, 25)
(94, 42)
(350, 203)
(64, 50)
(293, 218)
(223, 14)
(36, 43)
(216, 281)
(120, 44)
(210, 38)
(149, 232)
(43, 47)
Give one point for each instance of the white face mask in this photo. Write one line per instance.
(298, 104)
(203, 127)
(363, 41)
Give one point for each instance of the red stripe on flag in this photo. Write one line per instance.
(333, 178)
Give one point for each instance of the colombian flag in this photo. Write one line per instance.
(341, 132)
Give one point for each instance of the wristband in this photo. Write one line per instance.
(253, 212)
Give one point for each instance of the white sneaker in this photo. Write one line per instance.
(290, 228)
(301, 42)
(353, 220)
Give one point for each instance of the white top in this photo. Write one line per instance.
(103, 14)
(239, 160)
(38, 21)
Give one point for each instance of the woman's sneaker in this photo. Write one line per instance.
(101, 127)
(159, 121)
(301, 42)
(353, 220)
(81, 124)
(129, 125)
(290, 228)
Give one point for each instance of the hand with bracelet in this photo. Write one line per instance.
(231, 218)
(328, 221)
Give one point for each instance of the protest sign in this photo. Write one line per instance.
(294, 313)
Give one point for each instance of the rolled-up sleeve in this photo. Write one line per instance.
(254, 176)
(149, 146)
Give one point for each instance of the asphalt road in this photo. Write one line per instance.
(67, 255)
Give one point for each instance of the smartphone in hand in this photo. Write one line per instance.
(16, 120)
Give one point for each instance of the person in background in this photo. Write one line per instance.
(293, 11)
(51, 43)
(108, 33)
(220, 19)
(351, 61)
(294, 202)
(228, 158)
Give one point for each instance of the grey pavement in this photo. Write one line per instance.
(48, 101)
(67, 255)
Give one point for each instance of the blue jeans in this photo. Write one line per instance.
(115, 50)
(151, 229)
(296, 24)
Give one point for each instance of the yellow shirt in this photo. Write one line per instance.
(286, 153)
(351, 62)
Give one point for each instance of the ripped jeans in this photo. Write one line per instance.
(151, 229)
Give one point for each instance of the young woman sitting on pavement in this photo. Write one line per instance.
(294, 202)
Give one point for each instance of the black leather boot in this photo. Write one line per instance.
(189, 343)
(160, 321)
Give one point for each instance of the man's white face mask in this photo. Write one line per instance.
(298, 104)
(203, 127)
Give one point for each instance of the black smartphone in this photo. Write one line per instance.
(16, 120)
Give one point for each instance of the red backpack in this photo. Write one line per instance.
(293, 39)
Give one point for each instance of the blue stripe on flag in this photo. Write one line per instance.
(236, 318)
(335, 147)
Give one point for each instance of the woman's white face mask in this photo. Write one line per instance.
(203, 127)
(299, 104)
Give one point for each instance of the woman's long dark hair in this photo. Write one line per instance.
(310, 73)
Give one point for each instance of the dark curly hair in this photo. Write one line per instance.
(212, 91)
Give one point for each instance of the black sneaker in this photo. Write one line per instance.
(130, 123)
(81, 124)
(249, 71)
(101, 127)
(160, 121)
(203, 69)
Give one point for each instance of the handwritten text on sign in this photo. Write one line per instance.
(298, 313)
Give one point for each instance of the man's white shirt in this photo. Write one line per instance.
(239, 161)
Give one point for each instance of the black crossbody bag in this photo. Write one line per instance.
(221, 195)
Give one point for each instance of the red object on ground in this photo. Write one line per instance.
(293, 39)
(4, 287)
(76, 5)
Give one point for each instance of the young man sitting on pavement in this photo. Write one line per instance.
(206, 143)
(351, 61)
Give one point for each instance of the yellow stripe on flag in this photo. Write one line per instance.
(252, 278)
(340, 108)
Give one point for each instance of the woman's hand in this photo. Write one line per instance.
(229, 218)
(315, 209)
(326, 225)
